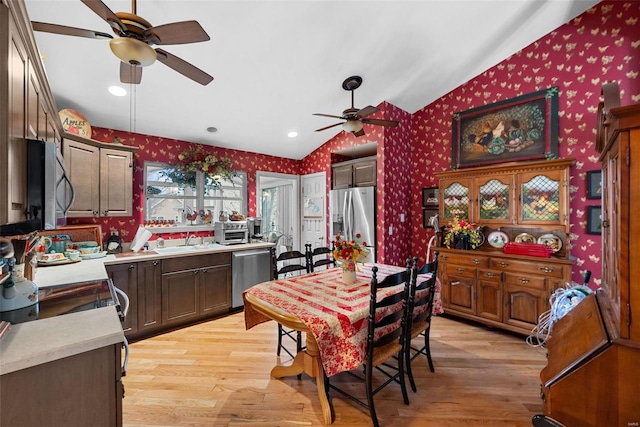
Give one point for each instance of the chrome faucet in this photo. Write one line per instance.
(186, 243)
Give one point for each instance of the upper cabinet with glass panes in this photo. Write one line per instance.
(515, 194)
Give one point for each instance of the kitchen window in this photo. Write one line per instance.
(178, 198)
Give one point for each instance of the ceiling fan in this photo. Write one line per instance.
(354, 117)
(135, 36)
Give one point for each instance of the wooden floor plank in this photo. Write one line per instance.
(217, 374)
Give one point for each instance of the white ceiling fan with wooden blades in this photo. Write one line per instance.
(354, 117)
(134, 39)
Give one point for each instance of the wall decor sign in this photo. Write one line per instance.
(594, 219)
(312, 207)
(521, 128)
(430, 196)
(594, 184)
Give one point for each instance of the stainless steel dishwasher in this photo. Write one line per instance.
(248, 268)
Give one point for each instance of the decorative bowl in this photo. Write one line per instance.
(86, 250)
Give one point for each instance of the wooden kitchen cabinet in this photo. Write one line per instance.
(27, 107)
(102, 175)
(195, 287)
(354, 173)
(125, 278)
(149, 295)
(80, 390)
(497, 289)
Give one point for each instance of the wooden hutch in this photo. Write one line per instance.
(592, 376)
(529, 199)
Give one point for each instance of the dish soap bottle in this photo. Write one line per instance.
(160, 241)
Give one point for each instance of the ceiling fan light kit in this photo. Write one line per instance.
(356, 118)
(132, 51)
(136, 36)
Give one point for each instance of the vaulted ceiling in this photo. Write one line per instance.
(275, 63)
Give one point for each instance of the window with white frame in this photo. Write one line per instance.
(174, 199)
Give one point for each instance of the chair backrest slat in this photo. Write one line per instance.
(420, 308)
(322, 250)
(302, 265)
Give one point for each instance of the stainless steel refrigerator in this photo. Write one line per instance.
(353, 211)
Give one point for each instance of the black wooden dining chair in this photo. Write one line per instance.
(289, 263)
(325, 254)
(384, 343)
(419, 314)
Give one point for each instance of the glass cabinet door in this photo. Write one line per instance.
(541, 198)
(454, 199)
(495, 199)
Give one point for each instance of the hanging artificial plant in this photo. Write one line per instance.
(194, 159)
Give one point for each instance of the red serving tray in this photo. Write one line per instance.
(530, 249)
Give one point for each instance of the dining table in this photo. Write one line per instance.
(333, 315)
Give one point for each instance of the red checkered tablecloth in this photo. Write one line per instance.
(335, 312)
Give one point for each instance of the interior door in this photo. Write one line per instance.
(314, 210)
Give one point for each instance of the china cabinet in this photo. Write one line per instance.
(595, 348)
(526, 201)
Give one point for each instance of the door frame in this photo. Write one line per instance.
(261, 178)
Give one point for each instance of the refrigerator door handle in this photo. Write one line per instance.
(344, 215)
(350, 211)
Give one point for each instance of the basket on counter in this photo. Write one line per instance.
(529, 249)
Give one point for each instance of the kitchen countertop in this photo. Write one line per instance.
(93, 269)
(33, 343)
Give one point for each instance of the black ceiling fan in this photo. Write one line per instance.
(354, 118)
(135, 36)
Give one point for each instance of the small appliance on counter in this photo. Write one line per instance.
(254, 225)
(231, 232)
(114, 244)
(19, 296)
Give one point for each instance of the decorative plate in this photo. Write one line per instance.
(525, 238)
(498, 239)
(551, 240)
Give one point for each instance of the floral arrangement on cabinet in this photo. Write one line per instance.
(461, 234)
(347, 252)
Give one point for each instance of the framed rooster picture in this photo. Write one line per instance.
(517, 129)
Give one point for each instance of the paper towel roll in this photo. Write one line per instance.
(141, 237)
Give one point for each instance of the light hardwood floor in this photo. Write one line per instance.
(217, 374)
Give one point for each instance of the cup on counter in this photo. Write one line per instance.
(58, 245)
(72, 254)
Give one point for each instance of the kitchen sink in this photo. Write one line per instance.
(187, 249)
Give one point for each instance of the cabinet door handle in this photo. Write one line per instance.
(195, 272)
(106, 212)
(204, 271)
(503, 264)
(95, 213)
(547, 269)
(489, 275)
(523, 280)
(131, 267)
(455, 283)
(476, 261)
(444, 257)
(155, 263)
(460, 270)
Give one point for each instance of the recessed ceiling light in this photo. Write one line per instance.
(212, 129)
(292, 134)
(117, 91)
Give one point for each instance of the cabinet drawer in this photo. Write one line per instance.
(524, 280)
(489, 275)
(188, 263)
(461, 271)
(472, 259)
(538, 268)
